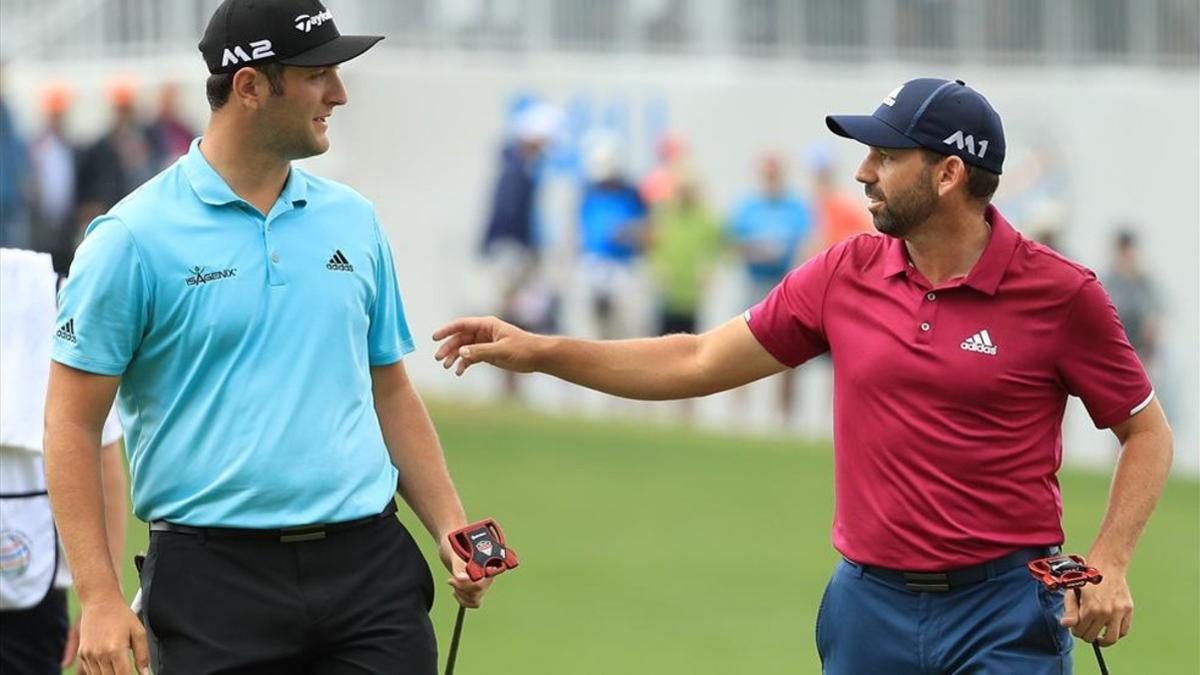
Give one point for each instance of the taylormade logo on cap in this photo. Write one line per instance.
(305, 22)
(945, 116)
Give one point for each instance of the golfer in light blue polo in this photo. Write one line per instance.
(249, 313)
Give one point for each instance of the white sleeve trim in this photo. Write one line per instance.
(1141, 406)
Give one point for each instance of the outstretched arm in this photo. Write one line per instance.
(662, 368)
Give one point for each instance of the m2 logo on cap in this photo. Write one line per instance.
(967, 142)
(258, 50)
(890, 99)
(305, 23)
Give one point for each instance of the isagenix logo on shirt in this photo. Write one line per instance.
(199, 277)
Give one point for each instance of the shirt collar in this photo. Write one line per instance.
(985, 276)
(212, 189)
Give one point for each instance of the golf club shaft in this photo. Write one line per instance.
(462, 611)
(1100, 658)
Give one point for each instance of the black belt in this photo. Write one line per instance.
(285, 535)
(940, 582)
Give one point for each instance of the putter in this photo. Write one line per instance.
(1062, 572)
(481, 546)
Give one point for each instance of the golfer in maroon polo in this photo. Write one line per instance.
(955, 342)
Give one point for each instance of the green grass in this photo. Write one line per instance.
(661, 550)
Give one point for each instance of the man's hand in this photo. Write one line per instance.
(1107, 612)
(488, 339)
(468, 593)
(108, 630)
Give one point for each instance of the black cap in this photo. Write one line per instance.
(945, 116)
(292, 32)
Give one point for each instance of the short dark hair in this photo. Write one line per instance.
(981, 183)
(220, 86)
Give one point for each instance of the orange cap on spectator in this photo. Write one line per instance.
(121, 90)
(56, 98)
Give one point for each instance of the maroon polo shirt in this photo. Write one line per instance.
(949, 399)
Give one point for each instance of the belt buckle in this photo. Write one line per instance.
(291, 535)
(933, 582)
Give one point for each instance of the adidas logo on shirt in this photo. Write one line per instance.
(339, 263)
(980, 342)
(67, 332)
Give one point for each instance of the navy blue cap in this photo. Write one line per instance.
(945, 116)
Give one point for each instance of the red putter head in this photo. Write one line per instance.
(1064, 571)
(481, 546)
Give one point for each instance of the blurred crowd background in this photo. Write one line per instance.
(622, 168)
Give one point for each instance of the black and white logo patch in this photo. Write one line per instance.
(339, 263)
(67, 332)
(199, 277)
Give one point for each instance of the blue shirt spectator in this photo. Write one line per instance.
(511, 217)
(611, 216)
(769, 230)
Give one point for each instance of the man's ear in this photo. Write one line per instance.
(951, 172)
(248, 87)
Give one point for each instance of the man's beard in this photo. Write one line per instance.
(902, 212)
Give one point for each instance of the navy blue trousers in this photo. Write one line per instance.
(1005, 624)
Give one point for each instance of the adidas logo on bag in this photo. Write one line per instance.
(67, 331)
(980, 342)
(339, 263)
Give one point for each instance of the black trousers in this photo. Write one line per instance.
(32, 640)
(356, 601)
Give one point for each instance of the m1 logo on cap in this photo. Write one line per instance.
(305, 23)
(890, 99)
(258, 50)
(967, 142)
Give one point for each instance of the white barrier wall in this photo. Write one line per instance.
(419, 138)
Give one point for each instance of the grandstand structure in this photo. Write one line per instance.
(1000, 32)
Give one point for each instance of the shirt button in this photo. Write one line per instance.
(931, 296)
(925, 326)
(274, 257)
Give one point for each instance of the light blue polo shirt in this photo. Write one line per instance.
(244, 346)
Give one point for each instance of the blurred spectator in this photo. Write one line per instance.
(170, 137)
(659, 184)
(53, 159)
(119, 161)
(839, 216)
(511, 246)
(14, 177)
(1135, 296)
(612, 223)
(685, 243)
(1036, 192)
(769, 229)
